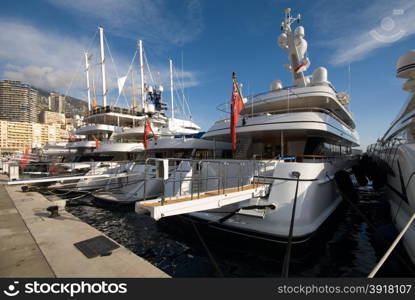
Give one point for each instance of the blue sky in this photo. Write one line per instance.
(42, 42)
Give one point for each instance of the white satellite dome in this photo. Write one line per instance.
(276, 85)
(283, 41)
(319, 76)
(299, 32)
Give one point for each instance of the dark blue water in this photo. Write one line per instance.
(349, 245)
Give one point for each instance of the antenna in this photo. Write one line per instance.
(104, 86)
(295, 46)
(171, 89)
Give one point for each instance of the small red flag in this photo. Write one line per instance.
(236, 107)
(23, 163)
(147, 130)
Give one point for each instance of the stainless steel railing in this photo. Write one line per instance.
(229, 174)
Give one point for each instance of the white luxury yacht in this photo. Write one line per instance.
(130, 188)
(395, 154)
(291, 141)
(114, 134)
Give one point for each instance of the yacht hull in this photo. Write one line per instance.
(317, 199)
(400, 161)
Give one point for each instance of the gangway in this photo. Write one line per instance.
(160, 207)
(198, 185)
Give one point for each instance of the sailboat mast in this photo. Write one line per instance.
(171, 89)
(133, 102)
(87, 80)
(143, 97)
(104, 84)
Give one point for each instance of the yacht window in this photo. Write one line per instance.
(322, 146)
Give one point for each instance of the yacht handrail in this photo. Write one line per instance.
(307, 109)
(115, 109)
(290, 88)
(251, 97)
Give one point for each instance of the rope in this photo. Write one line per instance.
(212, 259)
(115, 67)
(391, 248)
(184, 98)
(148, 67)
(80, 66)
(374, 228)
(128, 72)
(286, 264)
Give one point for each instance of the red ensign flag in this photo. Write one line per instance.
(236, 107)
(147, 130)
(25, 158)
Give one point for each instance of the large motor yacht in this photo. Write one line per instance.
(291, 141)
(395, 155)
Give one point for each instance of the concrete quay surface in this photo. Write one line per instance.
(34, 245)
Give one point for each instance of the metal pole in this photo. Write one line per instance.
(88, 90)
(140, 47)
(286, 264)
(104, 84)
(171, 89)
(198, 180)
(133, 102)
(145, 180)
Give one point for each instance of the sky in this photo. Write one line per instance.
(42, 42)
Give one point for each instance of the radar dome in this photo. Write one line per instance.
(299, 32)
(276, 85)
(283, 41)
(319, 76)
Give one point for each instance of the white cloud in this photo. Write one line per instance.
(44, 59)
(52, 61)
(151, 20)
(43, 77)
(377, 24)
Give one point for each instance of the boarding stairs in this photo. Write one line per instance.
(242, 148)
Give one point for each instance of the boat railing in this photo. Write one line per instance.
(197, 180)
(61, 169)
(114, 109)
(312, 158)
(290, 110)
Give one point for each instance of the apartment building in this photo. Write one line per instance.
(51, 117)
(15, 136)
(18, 102)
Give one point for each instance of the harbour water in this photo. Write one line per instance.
(349, 245)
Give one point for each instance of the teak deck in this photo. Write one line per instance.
(202, 195)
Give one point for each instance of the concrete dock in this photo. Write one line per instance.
(34, 245)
